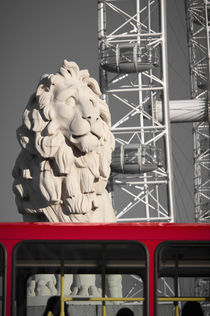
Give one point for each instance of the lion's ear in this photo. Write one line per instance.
(93, 85)
(43, 92)
(44, 85)
(41, 88)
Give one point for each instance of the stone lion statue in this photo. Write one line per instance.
(62, 171)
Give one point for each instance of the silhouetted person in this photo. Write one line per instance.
(192, 309)
(54, 306)
(125, 312)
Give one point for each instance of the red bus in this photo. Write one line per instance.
(98, 269)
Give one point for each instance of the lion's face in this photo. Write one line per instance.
(77, 113)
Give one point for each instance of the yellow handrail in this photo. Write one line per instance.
(104, 310)
(177, 310)
(102, 299)
(125, 299)
(62, 313)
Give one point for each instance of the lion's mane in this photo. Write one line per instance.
(63, 173)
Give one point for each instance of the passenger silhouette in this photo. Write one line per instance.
(125, 312)
(192, 309)
(54, 306)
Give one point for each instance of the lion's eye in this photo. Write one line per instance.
(71, 101)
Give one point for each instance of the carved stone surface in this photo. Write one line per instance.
(63, 168)
(41, 285)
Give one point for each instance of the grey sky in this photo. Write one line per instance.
(36, 36)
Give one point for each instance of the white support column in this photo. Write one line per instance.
(166, 119)
(133, 69)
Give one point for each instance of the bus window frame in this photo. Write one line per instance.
(156, 262)
(145, 277)
(4, 252)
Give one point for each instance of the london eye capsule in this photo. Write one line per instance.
(135, 158)
(127, 58)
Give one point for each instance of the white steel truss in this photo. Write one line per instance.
(198, 18)
(133, 76)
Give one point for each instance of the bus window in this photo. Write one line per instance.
(180, 268)
(2, 276)
(79, 278)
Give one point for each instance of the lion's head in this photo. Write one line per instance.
(66, 145)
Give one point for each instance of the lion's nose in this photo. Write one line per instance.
(91, 118)
(89, 111)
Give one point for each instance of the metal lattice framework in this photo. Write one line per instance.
(198, 15)
(133, 75)
(198, 18)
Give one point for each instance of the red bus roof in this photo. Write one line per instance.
(100, 231)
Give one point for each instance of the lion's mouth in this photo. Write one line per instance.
(86, 143)
(83, 135)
